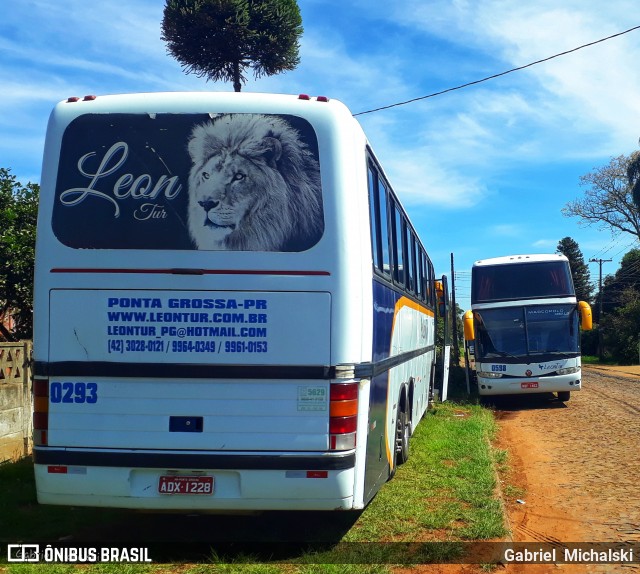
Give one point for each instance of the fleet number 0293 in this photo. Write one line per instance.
(69, 392)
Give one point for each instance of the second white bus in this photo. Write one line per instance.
(525, 323)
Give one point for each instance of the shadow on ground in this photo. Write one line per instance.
(513, 403)
(226, 538)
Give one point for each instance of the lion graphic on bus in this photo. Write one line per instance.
(254, 185)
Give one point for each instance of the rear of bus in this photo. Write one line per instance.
(192, 308)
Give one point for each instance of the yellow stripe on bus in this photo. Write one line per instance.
(402, 302)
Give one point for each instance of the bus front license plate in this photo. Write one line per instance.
(185, 485)
(528, 385)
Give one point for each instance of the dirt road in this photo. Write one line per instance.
(578, 465)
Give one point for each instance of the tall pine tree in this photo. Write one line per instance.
(579, 269)
(220, 39)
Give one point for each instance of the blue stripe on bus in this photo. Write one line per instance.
(386, 304)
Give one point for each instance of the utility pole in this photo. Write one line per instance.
(454, 317)
(600, 342)
(600, 262)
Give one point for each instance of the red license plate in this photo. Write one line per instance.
(185, 485)
(528, 385)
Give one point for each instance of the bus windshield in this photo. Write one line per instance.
(530, 280)
(543, 332)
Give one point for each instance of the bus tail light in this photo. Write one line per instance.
(343, 415)
(40, 411)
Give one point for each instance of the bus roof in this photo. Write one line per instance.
(206, 102)
(532, 258)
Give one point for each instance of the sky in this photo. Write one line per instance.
(482, 171)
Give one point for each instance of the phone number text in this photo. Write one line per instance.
(122, 346)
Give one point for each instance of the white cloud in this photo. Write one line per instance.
(419, 179)
(546, 244)
(420, 171)
(589, 95)
(576, 107)
(596, 87)
(506, 230)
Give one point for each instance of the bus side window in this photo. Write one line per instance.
(430, 285)
(398, 256)
(379, 216)
(420, 274)
(424, 277)
(383, 204)
(374, 216)
(415, 254)
(411, 260)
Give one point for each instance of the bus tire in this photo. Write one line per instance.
(402, 435)
(564, 396)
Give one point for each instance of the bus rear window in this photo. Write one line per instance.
(244, 182)
(521, 281)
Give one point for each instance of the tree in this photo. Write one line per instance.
(18, 215)
(621, 309)
(633, 175)
(220, 39)
(608, 200)
(621, 328)
(626, 278)
(579, 269)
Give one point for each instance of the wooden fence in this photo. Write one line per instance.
(15, 400)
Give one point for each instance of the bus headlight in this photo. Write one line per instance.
(486, 375)
(568, 371)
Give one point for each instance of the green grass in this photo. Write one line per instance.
(591, 360)
(447, 488)
(446, 492)
(31, 521)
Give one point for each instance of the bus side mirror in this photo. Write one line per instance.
(467, 320)
(440, 298)
(586, 320)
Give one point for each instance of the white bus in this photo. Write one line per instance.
(232, 309)
(524, 324)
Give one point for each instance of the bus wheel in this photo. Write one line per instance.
(402, 436)
(564, 396)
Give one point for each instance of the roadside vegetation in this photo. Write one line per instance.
(446, 494)
(593, 360)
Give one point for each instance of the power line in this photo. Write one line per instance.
(622, 275)
(496, 75)
(627, 247)
(615, 243)
(629, 274)
(604, 250)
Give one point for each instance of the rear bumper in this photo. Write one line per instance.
(193, 459)
(242, 482)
